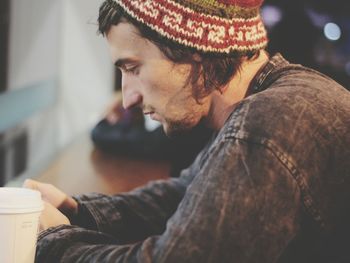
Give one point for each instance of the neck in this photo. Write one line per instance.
(222, 104)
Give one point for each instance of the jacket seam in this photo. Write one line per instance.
(287, 161)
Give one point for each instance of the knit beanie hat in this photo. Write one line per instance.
(214, 26)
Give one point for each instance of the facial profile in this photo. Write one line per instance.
(154, 83)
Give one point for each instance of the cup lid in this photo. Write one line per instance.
(14, 199)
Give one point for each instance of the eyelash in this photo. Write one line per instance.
(132, 70)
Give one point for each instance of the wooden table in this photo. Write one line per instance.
(81, 169)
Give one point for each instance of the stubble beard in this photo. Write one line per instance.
(177, 128)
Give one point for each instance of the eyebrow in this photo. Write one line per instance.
(123, 61)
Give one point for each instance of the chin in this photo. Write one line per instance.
(177, 129)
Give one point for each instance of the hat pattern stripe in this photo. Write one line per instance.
(201, 31)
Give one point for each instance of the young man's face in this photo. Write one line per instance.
(153, 82)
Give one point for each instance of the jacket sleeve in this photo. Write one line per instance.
(242, 206)
(135, 215)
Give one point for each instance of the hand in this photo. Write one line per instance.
(117, 114)
(51, 217)
(115, 110)
(52, 195)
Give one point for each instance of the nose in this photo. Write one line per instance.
(131, 100)
(131, 96)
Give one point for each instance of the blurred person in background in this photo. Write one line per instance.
(123, 132)
(271, 186)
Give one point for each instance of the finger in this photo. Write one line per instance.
(35, 185)
(31, 184)
(51, 217)
(112, 118)
(113, 114)
(49, 207)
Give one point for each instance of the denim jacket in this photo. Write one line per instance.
(272, 186)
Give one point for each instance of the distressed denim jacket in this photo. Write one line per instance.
(272, 186)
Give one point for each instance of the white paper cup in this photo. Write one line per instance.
(20, 209)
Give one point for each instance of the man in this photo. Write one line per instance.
(272, 186)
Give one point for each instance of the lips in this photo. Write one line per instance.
(154, 116)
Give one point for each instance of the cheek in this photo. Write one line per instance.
(164, 85)
(160, 73)
(154, 85)
(153, 95)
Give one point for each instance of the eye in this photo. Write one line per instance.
(133, 69)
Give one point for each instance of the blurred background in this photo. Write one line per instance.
(56, 77)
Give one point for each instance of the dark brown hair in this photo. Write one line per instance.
(215, 69)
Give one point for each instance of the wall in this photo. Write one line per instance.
(59, 82)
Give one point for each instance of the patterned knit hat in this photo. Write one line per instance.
(219, 26)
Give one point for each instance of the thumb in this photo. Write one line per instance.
(31, 184)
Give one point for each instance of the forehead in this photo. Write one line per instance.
(125, 41)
